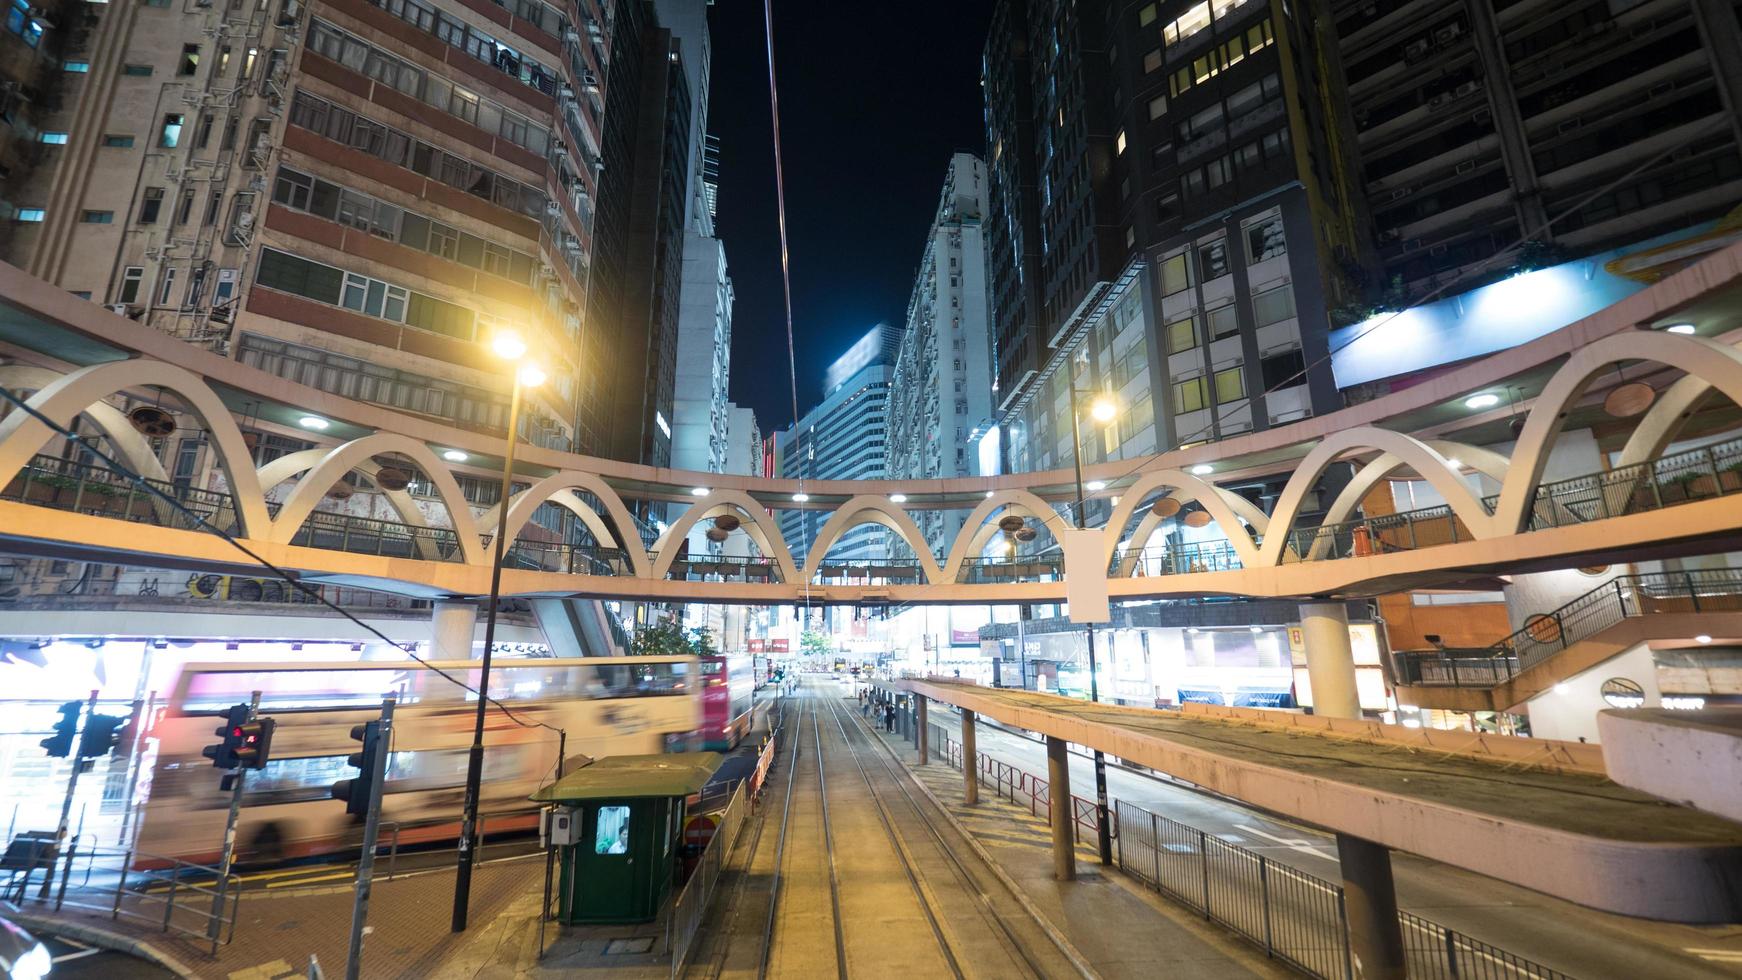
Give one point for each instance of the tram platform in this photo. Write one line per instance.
(1528, 811)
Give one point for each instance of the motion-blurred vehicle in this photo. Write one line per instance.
(728, 691)
(607, 705)
(21, 956)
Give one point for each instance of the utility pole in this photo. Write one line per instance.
(371, 833)
(1103, 831)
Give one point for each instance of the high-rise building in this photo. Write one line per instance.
(942, 389)
(1237, 189)
(699, 420)
(1059, 261)
(744, 446)
(842, 438)
(1480, 122)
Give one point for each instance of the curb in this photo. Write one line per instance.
(1058, 938)
(103, 939)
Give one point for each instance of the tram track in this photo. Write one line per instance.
(959, 874)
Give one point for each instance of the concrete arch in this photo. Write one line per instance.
(1228, 510)
(129, 443)
(345, 457)
(558, 489)
(871, 509)
(975, 532)
(1717, 364)
(1484, 461)
(284, 467)
(759, 525)
(1416, 454)
(21, 434)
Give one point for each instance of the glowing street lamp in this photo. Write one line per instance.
(508, 346)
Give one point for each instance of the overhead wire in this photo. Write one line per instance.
(289, 578)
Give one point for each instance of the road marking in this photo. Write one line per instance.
(1292, 843)
(304, 881)
(81, 954)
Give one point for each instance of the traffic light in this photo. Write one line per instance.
(256, 747)
(60, 744)
(226, 754)
(102, 735)
(356, 792)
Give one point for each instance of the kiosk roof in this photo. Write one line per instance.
(630, 776)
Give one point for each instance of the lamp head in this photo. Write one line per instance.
(1103, 409)
(530, 376)
(508, 345)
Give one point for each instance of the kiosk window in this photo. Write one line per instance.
(612, 836)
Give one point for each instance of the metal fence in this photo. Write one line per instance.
(192, 900)
(691, 906)
(1294, 916)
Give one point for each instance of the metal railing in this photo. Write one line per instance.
(690, 907)
(1032, 568)
(870, 571)
(1624, 597)
(1293, 916)
(174, 896)
(1021, 788)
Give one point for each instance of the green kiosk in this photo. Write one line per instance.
(618, 824)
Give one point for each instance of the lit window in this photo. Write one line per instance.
(1188, 396)
(1230, 385)
(1119, 142)
(1195, 19)
(1182, 335)
(136, 71)
(55, 139)
(31, 214)
(97, 217)
(79, 67)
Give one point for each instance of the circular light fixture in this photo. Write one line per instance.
(508, 346)
(799, 498)
(314, 422)
(1103, 409)
(1702, 638)
(1095, 486)
(455, 456)
(1256, 629)
(1455, 463)
(1203, 469)
(1681, 328)
(989, 494)
(1197, 518)
(1630, 399)
(1484, 400)
(1193, 630)
(530, 376)
(898, 498)
(1165, 507)
(699, 491)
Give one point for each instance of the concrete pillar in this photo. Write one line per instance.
(452, 625)
(1330, 660)
(1370, 902)
(1058, 775)
(970, 757)
(921, 731)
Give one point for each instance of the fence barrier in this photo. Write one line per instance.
(1293, 916)
(691, 905)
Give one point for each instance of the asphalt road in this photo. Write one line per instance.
(1581, 942)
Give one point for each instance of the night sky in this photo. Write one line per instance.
(873, 100)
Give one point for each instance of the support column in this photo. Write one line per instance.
(1058, 775)
(452, 625)
(1370, 902)
(922, 735)
(970, 761)
(1330, 659)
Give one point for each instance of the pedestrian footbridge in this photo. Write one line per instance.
(378, 502)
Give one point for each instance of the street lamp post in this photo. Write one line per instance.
(509, 347)
(1103, 411)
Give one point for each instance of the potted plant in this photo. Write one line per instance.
(1678, 487)
(1730, 477)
